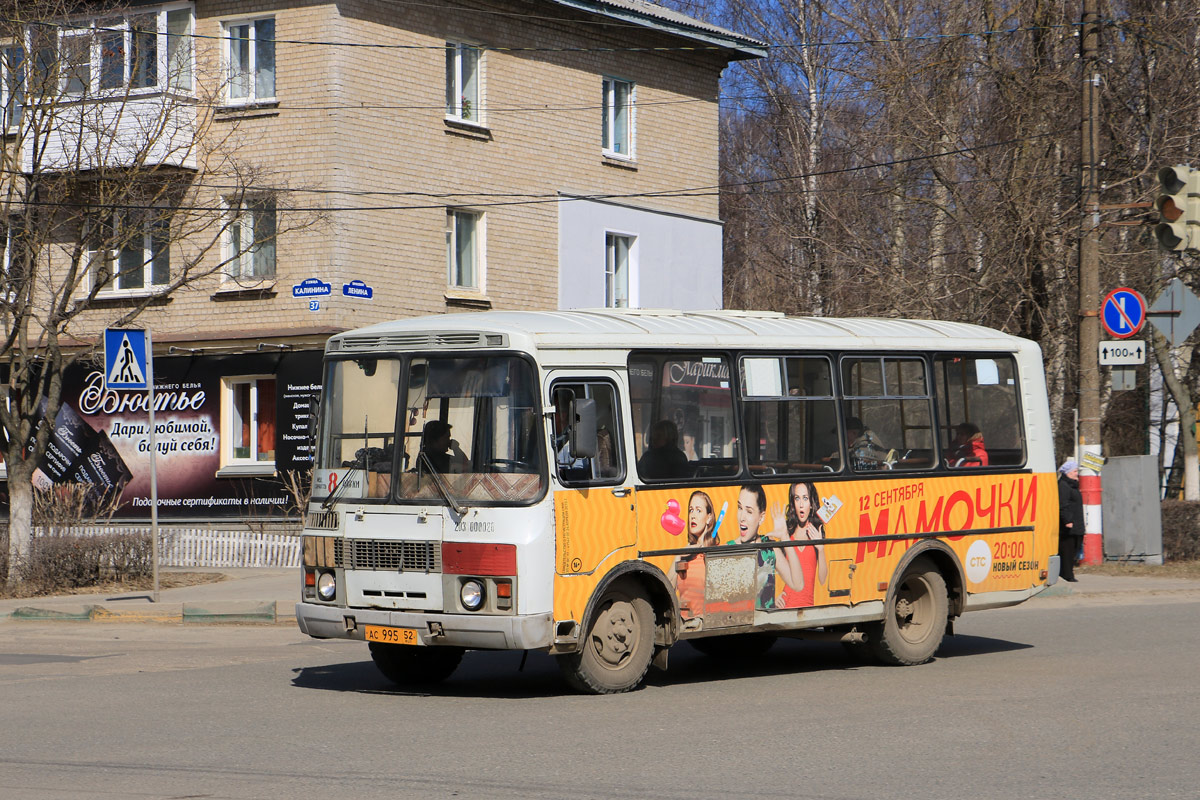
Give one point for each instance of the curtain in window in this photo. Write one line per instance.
(266, 420)
(179, 49)
(263, 255)
(264, 53)
(112, 55)
(239, 61)
(143, 66)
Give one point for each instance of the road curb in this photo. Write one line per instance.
(226, 612)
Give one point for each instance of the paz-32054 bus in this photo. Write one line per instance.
(601, 485)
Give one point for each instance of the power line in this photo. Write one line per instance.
(500, 199)
(63, 25)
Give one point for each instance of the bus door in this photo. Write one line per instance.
(594, 496)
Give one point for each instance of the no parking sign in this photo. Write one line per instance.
(1123, 313)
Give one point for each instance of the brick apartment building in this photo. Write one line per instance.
(451, 156)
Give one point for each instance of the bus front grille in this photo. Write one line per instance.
(388, 555)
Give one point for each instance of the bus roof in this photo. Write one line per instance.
(644, 328)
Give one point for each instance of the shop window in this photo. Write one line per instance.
(248, 424)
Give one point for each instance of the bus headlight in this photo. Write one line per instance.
(471, 595)
(326, 586)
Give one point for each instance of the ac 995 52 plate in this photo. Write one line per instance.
(390, 635)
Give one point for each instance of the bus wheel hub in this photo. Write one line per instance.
(615, 632)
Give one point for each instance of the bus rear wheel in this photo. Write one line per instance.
(617, 648)
(408, 665)
(914, 621)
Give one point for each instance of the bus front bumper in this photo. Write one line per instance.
(522, 632)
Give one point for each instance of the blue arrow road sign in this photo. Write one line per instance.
(311, 287)
(1123, 313)
(126, 358)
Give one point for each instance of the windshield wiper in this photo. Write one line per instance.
(440, 482)
(364, 469)
(336, 494)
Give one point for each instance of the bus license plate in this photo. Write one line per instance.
(382, 633)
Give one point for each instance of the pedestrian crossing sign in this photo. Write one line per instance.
(126, 358)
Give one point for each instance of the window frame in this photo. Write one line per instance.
(781, 401)
(478, 250)
(230, 464)
(239, 260)
(945, 422)
(590, 382)
(12, 92)
(846, 400)
(456, 99)
(99, 28)
(610, 110)
(104, 260)
(252, 96)
(611, 238)
(646, 412)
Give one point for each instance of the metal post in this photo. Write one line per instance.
(153, 458)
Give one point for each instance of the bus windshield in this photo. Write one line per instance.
(454, 429)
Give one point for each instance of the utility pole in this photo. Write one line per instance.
(1089, 281)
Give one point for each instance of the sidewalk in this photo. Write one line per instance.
(268, 596)
(265, 596)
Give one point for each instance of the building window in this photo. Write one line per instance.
(137, 254)
(12, 85)
(250, 241)
(75, 61)
(617, 267)
(114, 54)
(617, 123)
(13, 264)
(464, 246)
(179, 49)
(463, 74)
(250, 59)
(248, 421)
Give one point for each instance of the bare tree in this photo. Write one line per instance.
(112, 178)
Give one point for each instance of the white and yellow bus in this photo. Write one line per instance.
(601, 485)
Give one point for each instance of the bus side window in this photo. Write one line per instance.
(979, 411)
(606, 466)
(887, 414)
(789, 414)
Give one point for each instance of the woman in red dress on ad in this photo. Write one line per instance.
(802, 567)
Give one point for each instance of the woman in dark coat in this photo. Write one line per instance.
(1070, 518)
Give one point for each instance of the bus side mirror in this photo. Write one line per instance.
(583, 428)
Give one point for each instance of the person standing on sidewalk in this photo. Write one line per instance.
(1070, 518)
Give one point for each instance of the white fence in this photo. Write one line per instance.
(211, 547)
(216, 548)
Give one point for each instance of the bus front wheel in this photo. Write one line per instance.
(914, 621)
(617, 648)
(407, 665)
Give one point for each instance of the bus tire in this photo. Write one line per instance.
(616, 650)
(914, 621)
(735, 646)
(408, 665)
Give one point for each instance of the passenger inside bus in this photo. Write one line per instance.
(664, 460)
(967, 449)
(865, 449)
(442, 451)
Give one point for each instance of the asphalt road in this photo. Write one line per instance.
(1054, 699)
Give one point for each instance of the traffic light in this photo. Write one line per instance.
(1179, 208)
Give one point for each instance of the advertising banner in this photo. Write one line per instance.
(102, 436)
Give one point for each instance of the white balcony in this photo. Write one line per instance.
(156, 129)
